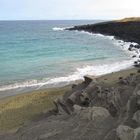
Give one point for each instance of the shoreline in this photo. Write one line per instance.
(101, 107)
(128, 31)
(19, 91)
(132, 47)
(40, 86)
(26, 86)
(13, 92)
(33, 103)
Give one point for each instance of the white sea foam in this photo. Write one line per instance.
(120, 43)
(61, 28)
(125, 46)
(97, 70)
(104, 36)
(97, 35)
(58, 29)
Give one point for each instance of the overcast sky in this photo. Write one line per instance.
(68, 9)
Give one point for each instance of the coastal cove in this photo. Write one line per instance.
(125, 31)
(70, 70)
(90, 88)
(82, 54)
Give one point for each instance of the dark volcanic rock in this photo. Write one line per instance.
(137, 46)
(88, 80)
(131, 45)
(134, 56)
(127, 31)
(137, 63)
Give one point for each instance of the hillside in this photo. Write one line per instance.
(132, 19)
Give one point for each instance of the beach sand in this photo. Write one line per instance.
(16, 110)
(20, 109)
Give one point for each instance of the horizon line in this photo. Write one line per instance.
(49, 19)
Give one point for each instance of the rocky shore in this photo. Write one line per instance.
(127, 29)
(105, 108)
(99, 108)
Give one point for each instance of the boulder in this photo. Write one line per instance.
(138, 71)
(130, 48)
(137, 133)
(125, 133)
(133, 103)
(87, 79)
(137, 63)
(137, 91)
(85, 101)
(77, 108)
(131, 45)
(73, 97)
(73, 86)
(61, 107)
(134, 56)
(97, 114)
(137, 46)
(136, 116)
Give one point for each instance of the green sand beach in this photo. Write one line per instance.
(19, 109)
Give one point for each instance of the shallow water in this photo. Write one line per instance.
(40, 53)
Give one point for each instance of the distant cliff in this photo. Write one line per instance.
(127, 29)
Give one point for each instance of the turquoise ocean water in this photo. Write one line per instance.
(35, 54)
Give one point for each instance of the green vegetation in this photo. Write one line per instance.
(129, 19)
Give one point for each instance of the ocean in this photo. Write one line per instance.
(38, 54)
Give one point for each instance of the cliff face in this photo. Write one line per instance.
(126, 30)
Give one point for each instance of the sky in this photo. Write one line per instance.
(68, 9)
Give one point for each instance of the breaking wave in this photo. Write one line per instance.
(58, 29)
(120, 43)
(97, 70)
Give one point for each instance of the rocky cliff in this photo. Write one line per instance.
(127, 29)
